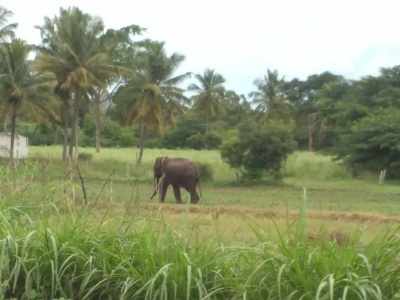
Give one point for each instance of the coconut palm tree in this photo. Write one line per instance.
(6, 30)
(209, 93)
(72, 52)
(117, 43)
(269, 97)
(151, 95)
(17, 81)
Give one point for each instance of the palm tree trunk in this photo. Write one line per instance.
(311, 133)
(98, 122)
(65, 142)
(310, 139)
(141, 143)
(55, 136)
(5, 124)
(322, 133)
(12, 138)
(65, 119)
(71, 119)
(76, 128)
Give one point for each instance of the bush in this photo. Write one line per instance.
(112, 134)
(203, 141)
(212, 140)
(259, 149)
(195, 141)
(185, 128)
(84, 156)
(152, 143)
(126, 137)
(206, 171)
(38, 134)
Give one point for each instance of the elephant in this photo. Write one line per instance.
(178, 172)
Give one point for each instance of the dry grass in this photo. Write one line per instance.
(219, 211)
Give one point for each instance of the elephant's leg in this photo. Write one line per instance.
(177, 193)
(163, 190)
(194, 197)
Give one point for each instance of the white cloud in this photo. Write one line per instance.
(241, 39)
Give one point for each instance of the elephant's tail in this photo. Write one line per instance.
(198, 183)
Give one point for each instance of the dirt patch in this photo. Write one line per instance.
(218, 211)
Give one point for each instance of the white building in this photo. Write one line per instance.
(20, 145)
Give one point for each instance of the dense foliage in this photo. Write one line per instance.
(259, 149)
(88, 85)
(373, 143)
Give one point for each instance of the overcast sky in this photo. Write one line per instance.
(241, 39)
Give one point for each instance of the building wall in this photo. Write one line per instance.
(20, 146)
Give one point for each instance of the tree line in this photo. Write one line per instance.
(88, 85)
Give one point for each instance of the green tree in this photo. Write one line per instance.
(18, 83)
(373, 143)
(209, 93)
(72, 51)
(121, 47)
(257, 150)
(270, 98)
(151, 96)
(6, 29)
(236, 109)
(178, 136)
(305, 99)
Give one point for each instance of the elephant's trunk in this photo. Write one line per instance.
(155, 185)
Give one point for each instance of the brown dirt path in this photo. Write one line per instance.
(217, 211)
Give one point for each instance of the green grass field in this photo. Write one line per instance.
(319, 234)
(329, 186)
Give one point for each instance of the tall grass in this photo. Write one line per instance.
(53, 248)
(75, 257)
(314, 165)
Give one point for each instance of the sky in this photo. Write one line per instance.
(242, 39)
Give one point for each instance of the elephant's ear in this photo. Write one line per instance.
(157, 162)
(163, 161)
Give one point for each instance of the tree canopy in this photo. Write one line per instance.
(83, 75)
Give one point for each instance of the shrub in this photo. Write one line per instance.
(259, 149)
(212, 140)
(195, 141)
(185, 128)
(85, 140)
(152, 143)
(38, 134)
(126, 138)
(112, 134)
(206, 171)
(199, 141)
(84, 156)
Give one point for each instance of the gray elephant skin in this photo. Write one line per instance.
(178, 172)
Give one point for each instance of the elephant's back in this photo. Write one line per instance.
(180, 168)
